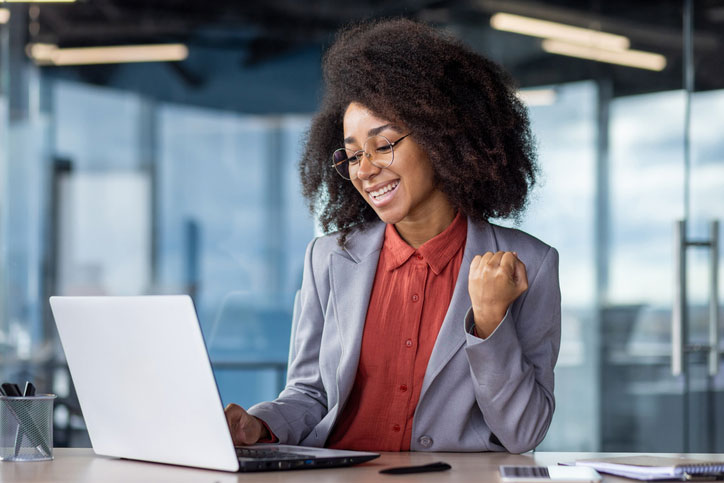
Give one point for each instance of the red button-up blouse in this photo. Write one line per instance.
(410, 297)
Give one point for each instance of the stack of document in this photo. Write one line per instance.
(655, 467)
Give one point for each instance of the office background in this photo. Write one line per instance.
(180, 177)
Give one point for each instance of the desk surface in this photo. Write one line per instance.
(82, 465)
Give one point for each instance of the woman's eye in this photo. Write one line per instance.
(383, 149)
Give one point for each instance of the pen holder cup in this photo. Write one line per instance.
(26, 428)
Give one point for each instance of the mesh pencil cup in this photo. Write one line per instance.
(26, 428)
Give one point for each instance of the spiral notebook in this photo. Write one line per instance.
(656, 467)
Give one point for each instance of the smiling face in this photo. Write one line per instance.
(403, 192)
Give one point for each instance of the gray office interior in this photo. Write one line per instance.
(180, 177)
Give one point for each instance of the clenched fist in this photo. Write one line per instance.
(495, 281)
(245, 428)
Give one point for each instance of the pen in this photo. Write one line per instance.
(29, 391)
(10, 390)
(403, 470)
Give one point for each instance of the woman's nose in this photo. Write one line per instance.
(366, 169)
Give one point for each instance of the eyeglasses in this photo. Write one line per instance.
(377, 149)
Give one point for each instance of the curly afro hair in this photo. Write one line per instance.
(460, 107)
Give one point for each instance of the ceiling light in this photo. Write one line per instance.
(554, 30)
(41, 53)
(537, 97)
(38, 1)
(47, 54)
(630, 58)
(4, 15)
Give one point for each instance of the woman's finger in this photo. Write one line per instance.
(521, 275)
(494, 261)
(479, 262)
(508, 262)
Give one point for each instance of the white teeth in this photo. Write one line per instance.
(384, 189)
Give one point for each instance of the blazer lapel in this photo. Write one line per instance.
(353, 273)
(480, 239)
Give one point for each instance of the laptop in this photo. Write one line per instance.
(147, 390)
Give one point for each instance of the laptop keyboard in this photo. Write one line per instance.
(269, 454)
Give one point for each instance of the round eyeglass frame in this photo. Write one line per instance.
(338, 165)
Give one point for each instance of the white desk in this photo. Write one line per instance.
(81, 465)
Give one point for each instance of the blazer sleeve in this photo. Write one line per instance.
(513, 368)
(303, 402)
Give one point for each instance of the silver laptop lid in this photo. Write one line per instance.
(144, 380)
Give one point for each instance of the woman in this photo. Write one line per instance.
(421, 326)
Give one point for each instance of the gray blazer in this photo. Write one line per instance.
(477, 395)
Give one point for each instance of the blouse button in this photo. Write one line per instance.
(419, 257)
(396, 428)
(425, 441)
(403, 387)
(408, 342)
(415, 297)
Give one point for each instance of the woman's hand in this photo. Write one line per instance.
(495, 281)
(245, 428)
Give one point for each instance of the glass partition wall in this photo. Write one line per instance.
(624, 168)
(112, 190)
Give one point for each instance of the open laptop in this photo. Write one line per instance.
(147, 390)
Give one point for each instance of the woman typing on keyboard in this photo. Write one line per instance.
(420, 325)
